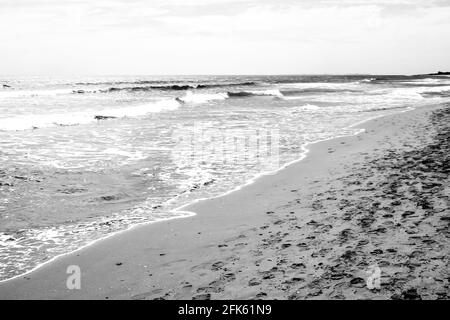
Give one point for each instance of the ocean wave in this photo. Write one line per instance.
(383, 109)
(311, 79)
(421, 84)
(221, 85)
(432, 94)
(436, 91)
(367, 80)
(6, 94)
(168, 83)
(353, 85)
(142, 109)
(174, 87)
(118, 83)
(411, 93)
(36, 121)
(243, 94)
(191, 97)
(315, 91)
(403, 78)
(32, 93)
(308, 107)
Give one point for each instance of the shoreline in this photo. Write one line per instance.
(305, 149)
(37, 276)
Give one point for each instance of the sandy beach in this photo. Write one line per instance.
(315, 230)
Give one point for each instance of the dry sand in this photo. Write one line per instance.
(317, 229)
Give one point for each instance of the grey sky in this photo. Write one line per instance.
(64, 37)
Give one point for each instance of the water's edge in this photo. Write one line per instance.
(183, 211)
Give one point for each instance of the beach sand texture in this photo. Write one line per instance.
(315, 230)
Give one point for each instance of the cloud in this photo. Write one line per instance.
(219, 36)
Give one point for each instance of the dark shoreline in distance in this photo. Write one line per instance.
(439, 73)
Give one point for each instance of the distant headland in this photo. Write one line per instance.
(439, 73)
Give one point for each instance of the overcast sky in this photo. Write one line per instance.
(65, 37)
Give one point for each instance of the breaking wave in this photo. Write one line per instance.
(243, 94)
(309, 91)
(32, 93)
(432, 94)
(171, 87)
(36, 121)
(167, 84)
(191, 97)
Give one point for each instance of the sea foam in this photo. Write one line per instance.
(191, 97)
(35, 121)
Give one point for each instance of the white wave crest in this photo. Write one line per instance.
(32, 93)
(141, 110)
(271, 92)
(34, 121)
(191, 97)
(368, 80)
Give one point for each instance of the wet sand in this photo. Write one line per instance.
(319, 229)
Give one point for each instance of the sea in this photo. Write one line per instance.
(83, 158)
